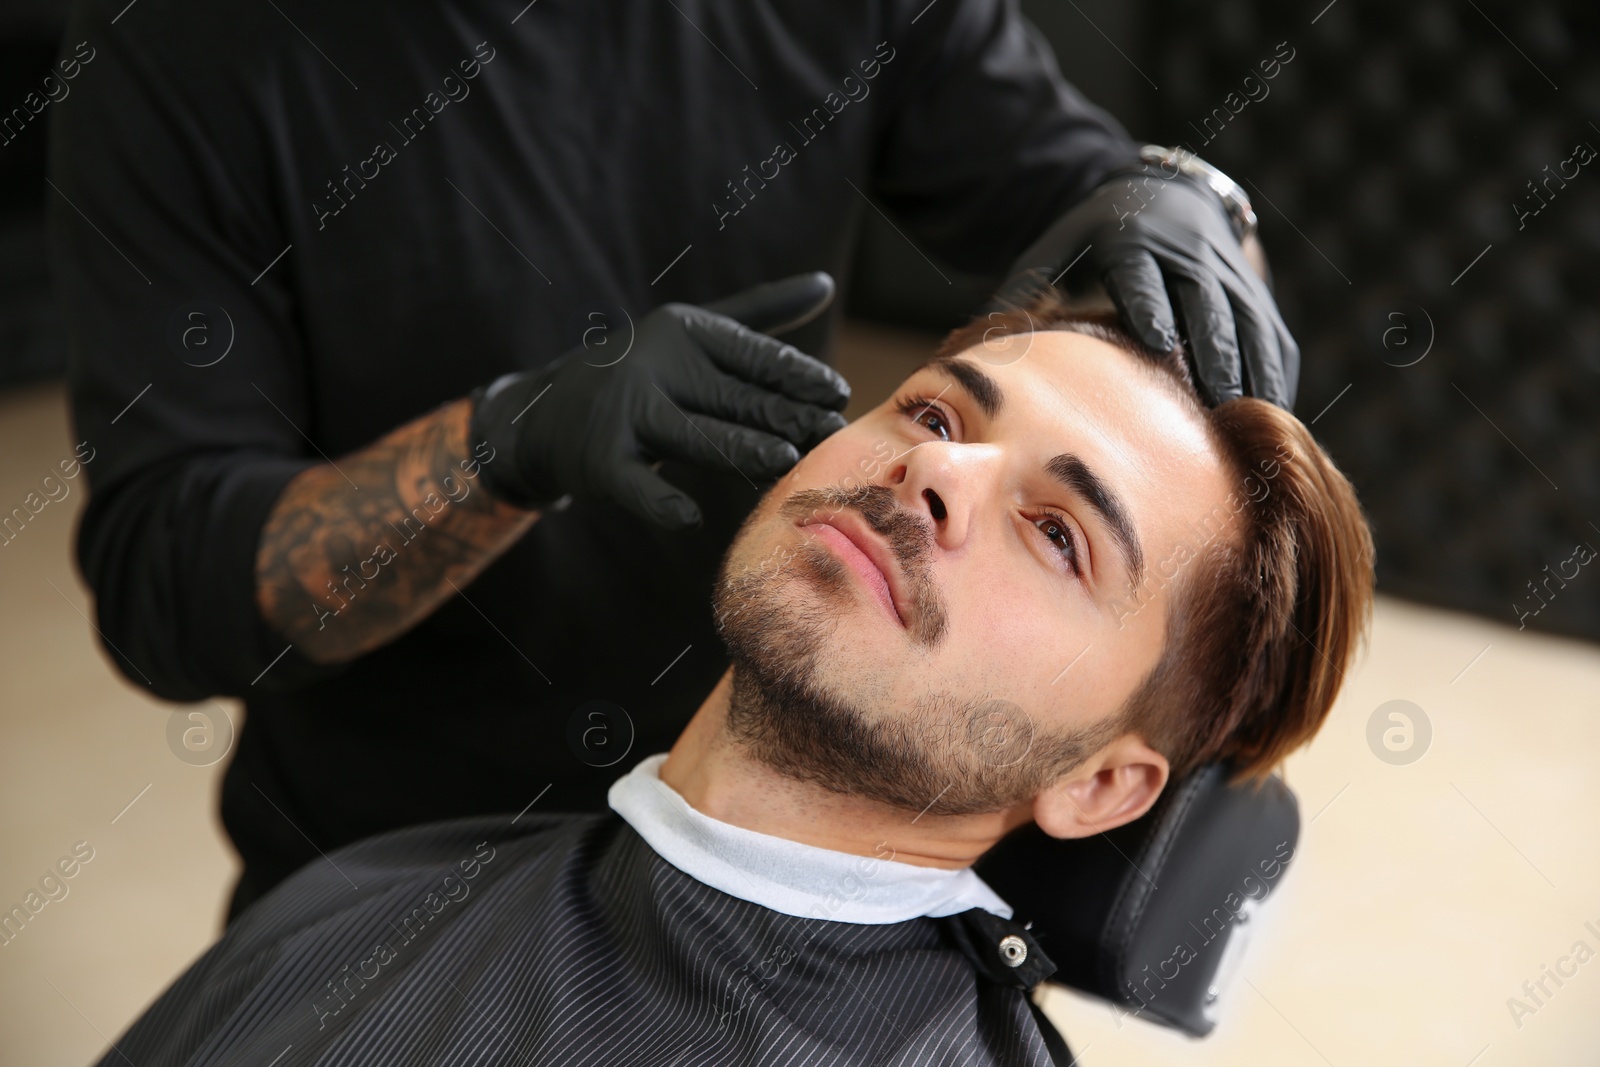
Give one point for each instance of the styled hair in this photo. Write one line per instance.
(1261, 624)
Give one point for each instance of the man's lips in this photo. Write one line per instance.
(860, 547)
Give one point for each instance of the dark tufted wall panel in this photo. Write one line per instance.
(1389, 160)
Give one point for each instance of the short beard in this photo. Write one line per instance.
(948, 756)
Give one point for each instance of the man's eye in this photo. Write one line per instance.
(926, 413)
(1055, 529)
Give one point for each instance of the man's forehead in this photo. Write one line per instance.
(1061, 383)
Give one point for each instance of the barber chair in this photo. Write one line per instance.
(1153, 916)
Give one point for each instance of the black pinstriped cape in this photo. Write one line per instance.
(566, 940)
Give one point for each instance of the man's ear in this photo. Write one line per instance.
(1114, 786)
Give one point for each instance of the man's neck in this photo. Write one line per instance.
(721, 779)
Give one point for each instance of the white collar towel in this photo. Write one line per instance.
(788, 876)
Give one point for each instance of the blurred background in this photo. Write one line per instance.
(1443, 290)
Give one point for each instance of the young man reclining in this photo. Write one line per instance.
(1033, 585)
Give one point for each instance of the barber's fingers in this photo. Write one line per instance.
(1260, 351)
(651, 497)
(1134, 282)
(1213, 341)
(1291, 366)
(672, 433)
(726, 397)
(767, 362)
(777, 307)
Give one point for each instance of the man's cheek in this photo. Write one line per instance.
(834, 461)
(800, 476)
(998, 619)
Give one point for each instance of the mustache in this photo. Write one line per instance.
(909, 536)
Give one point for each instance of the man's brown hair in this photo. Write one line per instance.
(1260, 627)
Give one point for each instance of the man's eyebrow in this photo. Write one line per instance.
(1073, 473)
(984, 390)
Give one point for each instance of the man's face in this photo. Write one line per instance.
(936, 607)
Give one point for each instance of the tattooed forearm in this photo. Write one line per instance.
(356, 553)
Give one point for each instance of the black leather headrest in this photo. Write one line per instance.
(1142, 915)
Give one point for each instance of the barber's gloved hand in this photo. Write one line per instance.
(590, 426)
(1166, 252)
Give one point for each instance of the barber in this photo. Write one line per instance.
(419, 348)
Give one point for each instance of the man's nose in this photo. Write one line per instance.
(944, 481)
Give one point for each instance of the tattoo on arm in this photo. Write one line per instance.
(356, 553)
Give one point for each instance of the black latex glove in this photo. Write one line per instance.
(1167, 255)
(579, 426)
